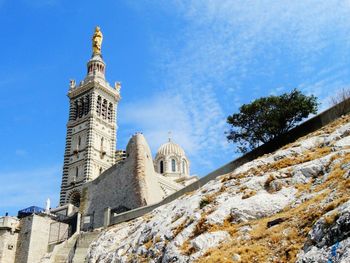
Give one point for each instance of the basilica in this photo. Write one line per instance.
(90, 151)
(98, 180)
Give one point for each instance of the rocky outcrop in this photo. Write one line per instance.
(288, 206)
(329, 239)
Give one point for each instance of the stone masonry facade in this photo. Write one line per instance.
(91, 131)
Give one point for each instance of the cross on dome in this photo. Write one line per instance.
(169, 136)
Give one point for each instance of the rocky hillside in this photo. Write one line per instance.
(289, 206)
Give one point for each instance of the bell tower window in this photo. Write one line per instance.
(76, 108)
(98, 105)
(104, 109)
(110, 112)
(81, 107)
(86, 104)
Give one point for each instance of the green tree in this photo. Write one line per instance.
(268, 117)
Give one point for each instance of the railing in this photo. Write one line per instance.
(63, 228)
(58, 232)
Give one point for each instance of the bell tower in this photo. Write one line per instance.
(91, 128)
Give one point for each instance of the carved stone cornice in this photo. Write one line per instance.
(90, 84)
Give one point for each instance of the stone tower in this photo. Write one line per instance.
(91, 128)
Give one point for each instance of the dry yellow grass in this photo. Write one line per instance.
(289, 161)
(330, 219)
(148, 244)
(305, 157)
(268, 182)
(201, 227)
(206, 200)
(181, 226)
(303, 188)
(265, 244)
(248, 193)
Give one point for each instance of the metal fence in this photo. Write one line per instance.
(58, 232)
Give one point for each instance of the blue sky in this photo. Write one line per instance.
(184, 66)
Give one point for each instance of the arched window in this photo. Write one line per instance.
(104, 109)
(81, 108)
(184, 166)
(173, 165)
(86, 104)
(100, 170)
(75, 199)
(161, 167)
(110, 112)
(101, 143)
(76, 106)
(76, 172)
(98, 105)
(79, 141)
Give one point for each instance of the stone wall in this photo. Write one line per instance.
(8, 242)
(128, 185)
(33, 238)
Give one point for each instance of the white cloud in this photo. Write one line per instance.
(229, 37)
(157, 116)
(230, 42)
(194, 119)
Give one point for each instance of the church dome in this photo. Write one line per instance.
(170, 148)
(171, 160)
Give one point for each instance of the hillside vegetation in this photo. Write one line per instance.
(289, 206)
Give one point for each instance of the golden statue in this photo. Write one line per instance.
(97, 41)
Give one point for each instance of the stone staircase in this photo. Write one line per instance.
(73, 250)
(62, 252)
(82, 245)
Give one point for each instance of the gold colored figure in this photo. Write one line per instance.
(97, 41)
